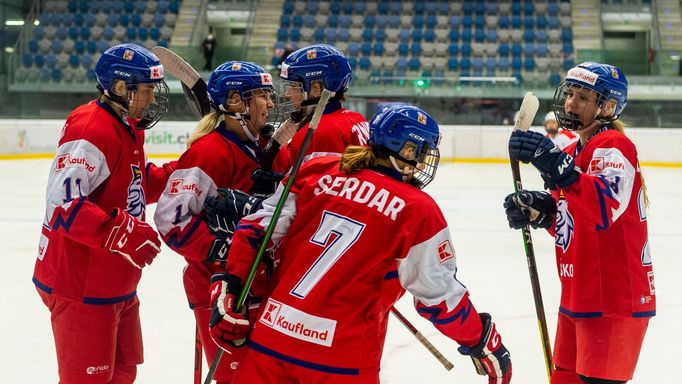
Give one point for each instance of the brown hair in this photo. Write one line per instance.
(356, 158)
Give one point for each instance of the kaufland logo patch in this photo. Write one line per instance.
(298, 324)
(156, 72)
(421, 118)
(445, 251)
(65, 160)
(128, 54)
(179, 186)
(599, 164)
(311, 54)
(583, 75)
(284, 72)
(265, 79)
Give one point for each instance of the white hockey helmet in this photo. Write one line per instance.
(550, 116)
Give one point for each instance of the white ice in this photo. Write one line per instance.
(491, 263)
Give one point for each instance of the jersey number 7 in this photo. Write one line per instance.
(336, 234)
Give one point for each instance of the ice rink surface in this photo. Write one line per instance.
(491, 263)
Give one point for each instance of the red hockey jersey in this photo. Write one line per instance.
(338, 128)
(601, 238)
(99, 165)
(349, 247)
(217, 160)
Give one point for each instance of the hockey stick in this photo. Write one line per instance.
(422, 339)
(197, 356)
(317, 115)
(193, 85)
(529, 107)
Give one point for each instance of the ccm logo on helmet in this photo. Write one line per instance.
(316, 73)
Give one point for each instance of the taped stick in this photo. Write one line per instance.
(422, 339)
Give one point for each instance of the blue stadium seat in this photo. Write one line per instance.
(103, 46)
(455, 21)
(68, 19)
(163, 6)
(553, 8)
(318, 35)
(85, 33)
(466, 35)
(143, 33)
(528, 35)
(515, 20)
(541, 22)
(491, 8)
(528, 8)
(297, 21)
(309, 21)
(282, 34)
(288, 7)
(566, 35)
(477, 64)
(528, 22)
(344, 21)
(418, 21)
(74, 61)
(553, 22)
(162, 43)
(404, 34)
(529, 64)
(465, 49)
(529, 49)
(117, 7)
(416, 35)
(479, 35)
(393, 20)
(128, 6)
(419, 7)
(365, 63)
(430, 21)
(284, 21)
(73, 33)
(453, 49)
(311, 7)
(366, 48)
(382, 8)
(416, 49)
(503, 21)
(154, 33)
(414, 63)
(62, 32)
(541, 35)
(467, 21)
(370, 21)
(79, 47)
(567, 49)
(39, 60)
(541, 49)
(295, 34)
(131, 34)
(56, 75)
(568, 64)
(91, 46)
(56, 47)
(112, 20)
(380, 35)
(27, 60)
(516, 63)
(516, 49)
(401, 64)
(454, 35)
(378, 49)
(50, 60)
(465, 65)
(468, 7)
(503, 49)
(431, 7)
(39, 32)
(108, 33)
(403, 48)
(333, 21)
(367, 35)
(491, 35)
(78, 19)
(136, 20)
(429, 35)
(174, 6)
(503, 64)
(443, 8)
(33, 46)
(140, 6)
(554, 79)
(90, 19)
(358, 7)
(353, 48)
(452, 64)
(479, 21)
(343, 34)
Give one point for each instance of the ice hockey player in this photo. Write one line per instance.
(597, 214)
(343, 226)
(94, 240)
(559, 136)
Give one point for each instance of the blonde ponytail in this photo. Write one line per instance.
(356, 158)
(205, 126)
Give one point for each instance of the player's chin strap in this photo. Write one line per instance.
(241, 119)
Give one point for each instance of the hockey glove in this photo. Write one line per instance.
(227, 327)
(224, 211)
(217, 255)
(133, 239)
(531, 207)
(490, 357)
(533, 147)
(265, 182)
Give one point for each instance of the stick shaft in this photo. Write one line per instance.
(197, 355)
(422, 339)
